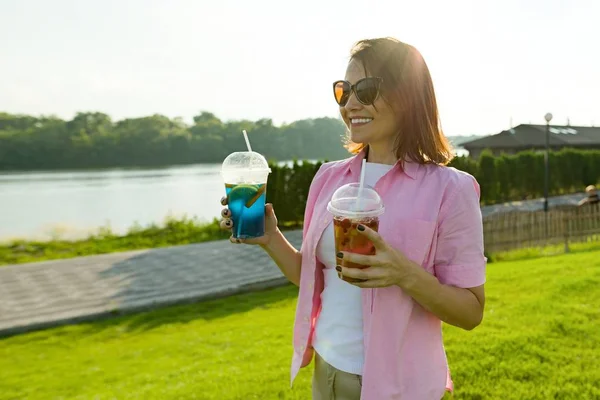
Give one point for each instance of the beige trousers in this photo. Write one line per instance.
(329, 383)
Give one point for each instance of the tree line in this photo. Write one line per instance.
(94, 140)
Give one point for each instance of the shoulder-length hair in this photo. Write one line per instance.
(408, 88)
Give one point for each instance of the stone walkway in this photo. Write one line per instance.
(44, 294)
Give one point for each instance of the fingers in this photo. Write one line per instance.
(269, 209)
(259, 240)
(373, 236)
(372, 274)
(226, 224)
(355, 273)
(236, 240)
(359, 258)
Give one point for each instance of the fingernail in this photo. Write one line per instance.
(340, 255)
(338, 268)
(360, 228)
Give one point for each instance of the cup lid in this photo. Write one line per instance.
(248, 161)
(350, 201)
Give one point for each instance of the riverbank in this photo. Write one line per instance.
(172, 232)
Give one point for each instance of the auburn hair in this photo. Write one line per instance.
(408, 88)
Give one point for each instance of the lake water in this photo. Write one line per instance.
(73, 204)
(40, 204)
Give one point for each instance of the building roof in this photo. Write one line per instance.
(528, 136)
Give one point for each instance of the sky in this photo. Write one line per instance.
(492, 62)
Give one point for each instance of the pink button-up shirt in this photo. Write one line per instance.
(432, 214)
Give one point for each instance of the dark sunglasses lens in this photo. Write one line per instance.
(367, 90)
(341, 90)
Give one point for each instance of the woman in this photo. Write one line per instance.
(381, 339)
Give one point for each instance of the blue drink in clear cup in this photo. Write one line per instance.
(245, 174)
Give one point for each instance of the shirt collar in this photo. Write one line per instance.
(410, 168)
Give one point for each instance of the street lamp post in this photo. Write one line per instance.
(548, 118)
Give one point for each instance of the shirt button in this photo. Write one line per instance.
(306, 319)
(311, 285)
(301, 348)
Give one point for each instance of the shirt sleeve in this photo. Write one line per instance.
(459, 257)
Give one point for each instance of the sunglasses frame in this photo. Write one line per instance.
(378, 79)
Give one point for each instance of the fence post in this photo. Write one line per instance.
(566, 229)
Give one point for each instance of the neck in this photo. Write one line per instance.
(381, 154)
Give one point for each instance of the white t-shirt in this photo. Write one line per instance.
(338, 336)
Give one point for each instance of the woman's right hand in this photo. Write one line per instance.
(271, 228)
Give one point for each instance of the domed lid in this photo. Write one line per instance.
(350, 201)
(245, 167)
(246, 160)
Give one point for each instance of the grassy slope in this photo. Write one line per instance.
(172, 233)
(539, 340)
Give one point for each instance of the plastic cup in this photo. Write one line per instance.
(245, 174)
(349, 210)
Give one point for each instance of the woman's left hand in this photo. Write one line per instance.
(387, 267)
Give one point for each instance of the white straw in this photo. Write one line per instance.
(246, 139)
(362, 182)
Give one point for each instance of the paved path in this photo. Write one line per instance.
(50, 293)
(533, 205)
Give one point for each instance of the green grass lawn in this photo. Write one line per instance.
(539, 340)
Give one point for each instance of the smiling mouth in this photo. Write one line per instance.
(360, 121)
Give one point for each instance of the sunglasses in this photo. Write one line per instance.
(366, 90)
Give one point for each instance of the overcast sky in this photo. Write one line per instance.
(490, 60)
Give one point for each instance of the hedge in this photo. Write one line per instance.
(502, 178)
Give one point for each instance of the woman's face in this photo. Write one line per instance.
(368, 125)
